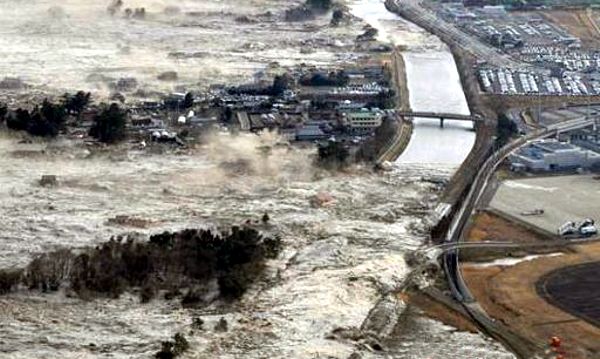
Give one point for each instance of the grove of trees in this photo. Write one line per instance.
(45, 121)
(109, 124)
(183, 264)
(48, 119)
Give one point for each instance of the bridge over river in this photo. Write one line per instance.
(442, 116)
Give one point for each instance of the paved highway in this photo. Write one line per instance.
(415, 12)
(454, 235)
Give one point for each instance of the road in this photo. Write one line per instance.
(420, 15)
(450, 260)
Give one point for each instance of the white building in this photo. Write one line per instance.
(364, 121)
(553, 155)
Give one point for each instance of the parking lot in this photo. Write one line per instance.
(552, 116)
(522, 82)
(562, 198)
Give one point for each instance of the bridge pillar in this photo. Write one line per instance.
(441, 122)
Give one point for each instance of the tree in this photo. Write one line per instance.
(3, 112)
(19, 121)
(188, 101)
(322, 5)
(337, 17)
(76, 103)
(505, 129)
(265, 218)
(228, 115)
(333, 154)
(173, 349)
(109, 124)
(280, 84)
(54, 116)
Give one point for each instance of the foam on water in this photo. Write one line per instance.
(336, 261)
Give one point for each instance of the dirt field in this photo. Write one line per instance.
(508, 293)
(580, 23)
(491, 227)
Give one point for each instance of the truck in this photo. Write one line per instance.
(585, 228)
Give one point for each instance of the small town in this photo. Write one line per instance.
(353, 179)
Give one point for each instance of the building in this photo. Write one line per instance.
(588, 138)
(311, 133)
(143, 123)
(553, 156)
(363, 121)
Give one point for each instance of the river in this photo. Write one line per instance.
(434, 85)
(337, 259)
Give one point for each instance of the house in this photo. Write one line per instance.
(144, 123)
(311, 133)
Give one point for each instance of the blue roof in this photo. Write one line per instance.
(532, 152)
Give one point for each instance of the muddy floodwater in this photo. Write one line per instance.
(337, 259)
(66, 45)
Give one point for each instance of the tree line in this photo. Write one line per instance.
(181, 264)
(50, 118)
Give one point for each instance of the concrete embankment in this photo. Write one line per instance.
(404, 128)
(485, 130)
(401, 82)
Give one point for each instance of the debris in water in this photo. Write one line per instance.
(322, 199)
(48, 180)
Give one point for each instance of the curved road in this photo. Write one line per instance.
(450, 261)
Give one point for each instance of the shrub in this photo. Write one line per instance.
(9, 279)
(173, 349)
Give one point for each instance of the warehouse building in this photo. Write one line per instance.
(553, 156)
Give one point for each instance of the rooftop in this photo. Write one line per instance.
(554, 146)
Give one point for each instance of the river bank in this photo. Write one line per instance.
(431, 149)
(339, 264)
